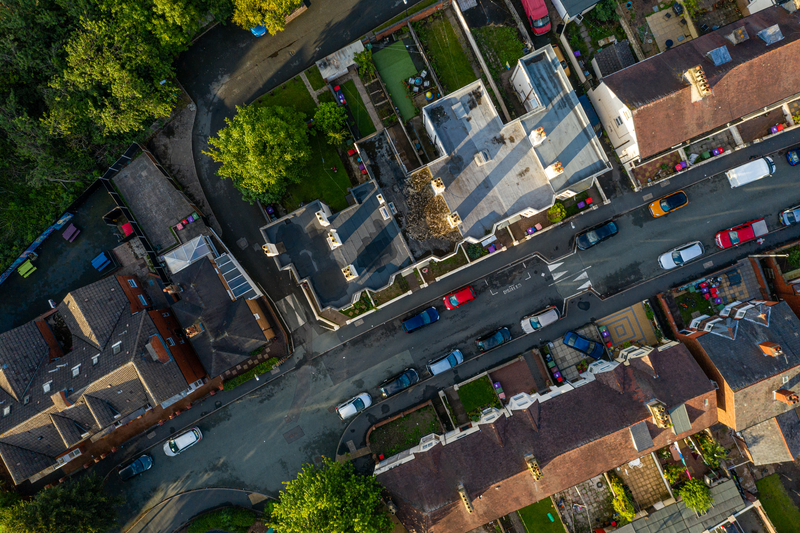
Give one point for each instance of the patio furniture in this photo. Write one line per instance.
(71, 233)
(101, 261)
(677, 8)
(668, 43)
(127, 229)
(704, 28)
(707, 296)
(777, 128)
(423, 74)
(734, 278)
(26, 268)
(179, 225)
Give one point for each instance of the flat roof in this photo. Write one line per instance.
(510, 180)
(370, 242)
(571, 140)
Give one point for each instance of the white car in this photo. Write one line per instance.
(185, 440)
(353, 406)
(543, 318)
(677, 257)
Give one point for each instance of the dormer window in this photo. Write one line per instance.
(132, 283)
(6, 410)
(95, 359)
(76, 370)
(46, 386)
(116, 347)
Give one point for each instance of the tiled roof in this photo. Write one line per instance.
(22, 350)
(581, 433)
(757, 76)
(92, 312)
(231, 331)
(22, 462)
(614, 57)
(740, 361)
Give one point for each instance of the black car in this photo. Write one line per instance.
(493, 339)
(145, 462)
(398, 383)
(594, 235)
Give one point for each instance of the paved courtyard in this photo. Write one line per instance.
(567, 358)
(644, 479)
(585, 506)
(669, 29)
(630, 325)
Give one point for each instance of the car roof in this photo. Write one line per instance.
(186, 439)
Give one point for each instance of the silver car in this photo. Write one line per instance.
(185, 440)
(543, 318)
(677, 257)
(353, 406)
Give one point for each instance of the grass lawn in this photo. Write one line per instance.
(535, 518)
(445, 53)
(233, 520)
(315, 78)
(327, 96)
(395, 66)
(500, 45)
(357, 107)
(400, 286)
(293, 94)
(404, 432)
(778, 504)
(477, 395)
(690, 302)
(440, 268)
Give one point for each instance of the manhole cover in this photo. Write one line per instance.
(584, 306)
(242, 243)
(293, 434)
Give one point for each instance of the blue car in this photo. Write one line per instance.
(145, 462)
(793, 156)
(593, 349)
(259, 31)
(493, 339)
(428, 316)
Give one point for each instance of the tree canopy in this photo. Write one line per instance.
(78, 506)
(262, 149)
(331, 498)
(696, 495)
(330, 120)
(79, 81)
(271, 13)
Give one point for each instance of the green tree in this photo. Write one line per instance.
(80, 506)
(262, 150)
(331, 498)
(270, 13)
(330, 120)
(605, 11)
(557, 213)
(696, 495)
(366, 68)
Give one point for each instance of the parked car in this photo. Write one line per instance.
(750, 172)
(185, 440)
(493, 340)
(145, 462)
(428, 316)
(447, 362)
(543, 318)
(790, 216)
(593, 349)
(536, 10)
(597, 234)
(398, 383)
(458, 298)
(259, 31)
(353, 406)
(741, 234)
(677, 257)
(339, 95)
(668, 204)
(793, 156)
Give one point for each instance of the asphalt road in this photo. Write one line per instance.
(229, 67)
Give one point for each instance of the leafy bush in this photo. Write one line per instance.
(329, 120)
(233, 520)
(557, 213)
(259, 369)
(475, 251)
(366, 68)
(794, 258)
(696, 495)
(713, 451)
(623, 503)
(673, 473)
(605, 11)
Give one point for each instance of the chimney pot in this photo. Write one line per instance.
(786, 396)
(772, 349)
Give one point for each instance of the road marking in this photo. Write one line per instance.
(585, 285)
(358, 322)
(664, 183)
(554, 266)
(584, 275)
(492, 292)
(708, 264)
(647, 197)
(558, 275)
(512, 288)
(529, 276)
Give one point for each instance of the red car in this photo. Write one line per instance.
(460, 297)
(741, 234)
(536, 10)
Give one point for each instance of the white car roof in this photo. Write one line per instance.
(546, 317)
(347, 409)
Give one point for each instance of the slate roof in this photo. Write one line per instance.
(614, 57)
(757, 76)
(676, 518)
(42, 425)
(740, 361)
(22, 350)
(580, 434)
(640, 434)
(231, 331)
(775, 440)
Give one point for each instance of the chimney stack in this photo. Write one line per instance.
(772, 349)
(786, 396)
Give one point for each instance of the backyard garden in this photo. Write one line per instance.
(778, 504)
(362, 305)
(325, 176)
(501, 48)
(476, 396)
(445, 52)
(404, 432)
(435, 268)
(541, 517)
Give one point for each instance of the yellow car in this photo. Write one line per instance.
(668, 204)
(560, 57)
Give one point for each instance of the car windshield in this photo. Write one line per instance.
(426, 318)
(671, 202)
(542, 22)
(535, 322)
(676, 258)
(734, 237)
(453, 300)
(174, 447)
(358, 403)
(794, 157)
(452, 360)
(571, 340)
(589, 347)
(791, 217)
(403, 381)
(592, 237)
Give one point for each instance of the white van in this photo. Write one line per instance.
(750, 172)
